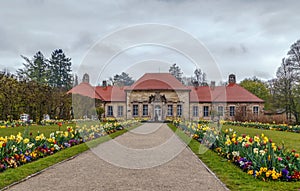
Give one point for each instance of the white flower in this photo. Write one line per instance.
(262, 152)
(242, 163)
(56, 147)
(236, 153)
(255, 150)
(30, 145)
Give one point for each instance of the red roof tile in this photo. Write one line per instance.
(230, 93)
(236, 93)
(157, 81)
(111, 93)
(85, 89)
(165, 81)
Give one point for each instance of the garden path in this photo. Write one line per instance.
(150, 157)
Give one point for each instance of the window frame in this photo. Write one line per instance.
(120, 110)
(135, 110)
(110, 110)
(195, 111)
(232, 112)
(205, 112)
(145, 108)
(255, 112)
(179, 110)
(170, 110)
(220, 112)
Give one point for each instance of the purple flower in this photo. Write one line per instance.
(28, 158)
(67, 145)
(285, 172)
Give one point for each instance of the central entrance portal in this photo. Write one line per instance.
(157, 113)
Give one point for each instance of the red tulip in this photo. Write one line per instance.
(250, 140)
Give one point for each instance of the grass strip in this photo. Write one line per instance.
(289, 139)
(232, 176)
(13, 175)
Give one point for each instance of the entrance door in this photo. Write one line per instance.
(157, 113)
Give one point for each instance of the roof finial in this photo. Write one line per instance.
(232, 79)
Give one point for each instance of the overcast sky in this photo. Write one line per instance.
(247, 38)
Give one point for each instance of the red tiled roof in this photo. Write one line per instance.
(231, 93)
(157, 81)
(236, 93)
(111, 93)
(165, 81)
(85, 89)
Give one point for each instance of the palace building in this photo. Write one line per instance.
(160, 96)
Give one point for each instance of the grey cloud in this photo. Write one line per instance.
(239, 33)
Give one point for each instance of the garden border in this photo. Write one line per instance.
(41, 171)
(194, 154)
(93, 144)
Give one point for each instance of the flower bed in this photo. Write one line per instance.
(258, 155)
(258, 125)
(23, 148)
(14, 123)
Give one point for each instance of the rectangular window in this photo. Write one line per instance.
(205, 111)
(110, 110)
(255, 110)
(220, 110)
(244, 111)
(135, 110)
(231, 111)
(195, 111)
(179, 110)
(170, 110)
(145, 110)
(120, 111)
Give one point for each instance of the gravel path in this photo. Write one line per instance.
(149, 157)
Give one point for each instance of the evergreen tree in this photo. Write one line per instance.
(35, 69)
(60, 70)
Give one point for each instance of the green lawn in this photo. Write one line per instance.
(34, 129)
(230, 174)
(290, 140)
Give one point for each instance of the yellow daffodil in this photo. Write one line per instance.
(240, 139)
(256, 139)
(26, 140)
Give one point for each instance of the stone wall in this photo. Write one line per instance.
(214, 114)
(115, 109)
(141, 98)
(176, 98)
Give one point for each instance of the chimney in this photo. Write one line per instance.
(212, 85)
(86, 78)
(104, 83)
(231, 79)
